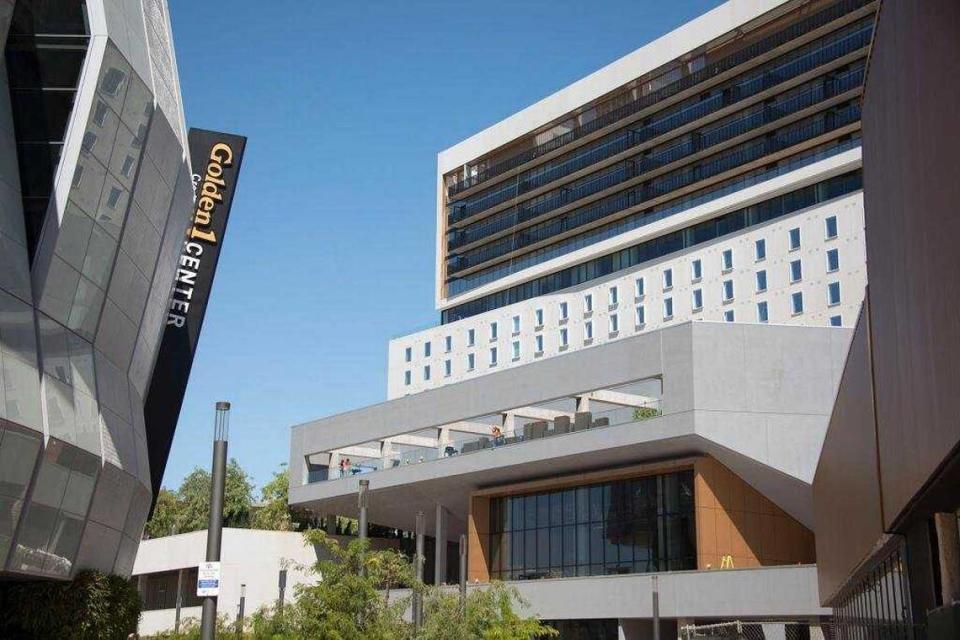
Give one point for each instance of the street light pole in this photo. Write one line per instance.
(362, 503)
(221, 428)
(418, 595)
(243, 597)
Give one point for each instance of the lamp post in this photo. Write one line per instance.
(221, 428)
(362, 503)
(243, 598)
(418, 595)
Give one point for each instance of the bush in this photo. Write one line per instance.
(93, 606)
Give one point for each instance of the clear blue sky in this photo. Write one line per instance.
(329, 249)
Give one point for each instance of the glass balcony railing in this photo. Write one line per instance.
(749, 52)
(531, 431)
(679, 178)
(814, 55)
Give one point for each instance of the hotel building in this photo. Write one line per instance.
(646, 283)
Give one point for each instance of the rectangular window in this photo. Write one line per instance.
(471, 361)
(406, 378)
(762, 315)
(833, 260)
(639, 287)
(447, 368)
(516, 324)
(726, 259)
(539, 315)
(797, 302)
(614, 323)
(516, 349)
(588, 303)
(426, 349)
(836, 321)
(493, 356)
(761, 281)
(667, 279)
(563, 338)
(100, 114)
(493, 330)
(833, 293)
(796, 271)
(667, 308)
(794, 238)
(697, 299)
(728, 315)
(408, 354)
(426, 372)
(471, 337)
(563, 310)
(831, 224)
(539, 342)
(761, 249)
(614, 296)
(448, 344)
(727, 290)
(588, 330)
(696, 270)
(641, 316)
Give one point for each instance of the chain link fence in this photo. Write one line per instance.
(765, 630)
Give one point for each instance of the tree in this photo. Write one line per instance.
(188, 509)
(273, 512)
(490, 615)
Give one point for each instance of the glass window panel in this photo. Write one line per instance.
(543, 510)
(543, 548)
(35, 531)
(569, 545)
(530, 550)
(569, 506)
(517, 511)
(530, 512)
(583, 504)
(556, 546)
(556, 502)
(596, 504)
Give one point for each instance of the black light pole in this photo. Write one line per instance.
(463, 575)
(221, 428)
(418, 596)
(362, 503)
(243, 597)
(655, 594)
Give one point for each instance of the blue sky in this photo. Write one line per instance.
(329, 250)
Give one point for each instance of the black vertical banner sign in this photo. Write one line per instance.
(215, 158)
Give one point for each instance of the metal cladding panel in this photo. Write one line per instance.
(216, 158)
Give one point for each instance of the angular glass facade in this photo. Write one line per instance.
(627, 526)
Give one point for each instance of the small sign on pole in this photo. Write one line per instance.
(208, 579)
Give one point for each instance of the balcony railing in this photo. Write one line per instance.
(743, 55)
(816, 54)
(531, 431)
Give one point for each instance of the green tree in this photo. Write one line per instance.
(490, 615)
(274, 512)
(163, 522)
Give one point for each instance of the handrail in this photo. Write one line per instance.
(735, 59)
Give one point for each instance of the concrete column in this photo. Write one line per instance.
(331, 521)
(948, 542)
(508, 423)
(583, 404)
(440, 546)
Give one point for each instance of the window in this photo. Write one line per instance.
(493, 330)
(447, 368)
(833, 260)
(797, 302)
(697, 299)
(563, 338)
(471, 338)
(726, 259)
(762, 315)
(127, 167)
(831, 225)
(727, 290)
(588, 330)
(426, 372)
(516, 349)
(588, 303)
(100, 114)
(493, 356)
(667, 279)
(408, 354)
(539, 343)
(836, 321)
(696, 270)
(516, 324)
(426, 349)
(539, 315)
(667, 308)
(563, 310)
(640, 287)
(641, 316)
(796, 271)
(614, 323)
(728, 315)
(794, 238)
(761, 281)
(406, 378)
(761, 249)
(833, 293)
(114, 197)
(471, 361)
(448, 344)
(613, 296)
